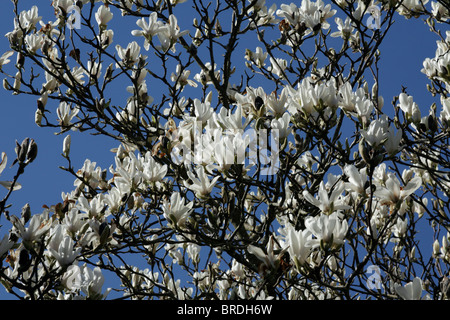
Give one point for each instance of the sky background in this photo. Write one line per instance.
(403, 51)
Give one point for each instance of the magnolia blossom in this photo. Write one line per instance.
(149, 30)
(128, 55)
(327, 203)
(37, 227)
(411, 291)
(299, 246)
(392, 194)
(152, 171)
(65, 254)
(445, 113)
(345, 28)
(409, 107)
(66, 146)
(181, 78)
(277, 66)
(176, 211)
(168, 35)
(357, 179)
(89, 281)
(103, 16)
(313, 99)
(66, 114)
(34, 42)
(5, 245)
(4, 59)
(201, 184)
(377, 132)
(329, 230)
(7, 184)
(204, 76)
(258, 57)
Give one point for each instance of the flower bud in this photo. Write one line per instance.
(26, 213)
(27, 151)
(436, 248)
(66, 146)
(17, 81)
(38, 117)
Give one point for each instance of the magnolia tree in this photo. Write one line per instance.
(256, 157)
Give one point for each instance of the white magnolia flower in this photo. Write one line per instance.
(282, 125)
(66, 146)
(168, 35)
(445, 112)
(345, 28)
(277, 105)
(203, 111)
(4, 59)
(7, 184)
(204, 77)
(299, 245)
(89, 281)
(105, 38)
(152, 171)
(66, 114)
(377, 133)
(37, 227)
(28, 19)
(440, 12)
(74, 221)
(232, 120)
(103, 16)
(65, 254)
(277, 66)
(128, 55)
(393, 194)
(149, 30)
(258, 57)
(357, 179)
(392, 144)
(62, 5)
(409, 107)
(181, 77)
(329, 230)
(34, 42)
(411, 291)
(327, 203)
(176, 211)
(408, 6)
(201, 184)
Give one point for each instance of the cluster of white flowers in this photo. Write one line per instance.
(438, 68)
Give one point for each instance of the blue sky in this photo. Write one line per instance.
(403, 51)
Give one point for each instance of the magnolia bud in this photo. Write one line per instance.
(436, 248)
(42, 101)
(26, 213)
(27, 151)
(17, 81)
(66, 146)
(38, 117)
